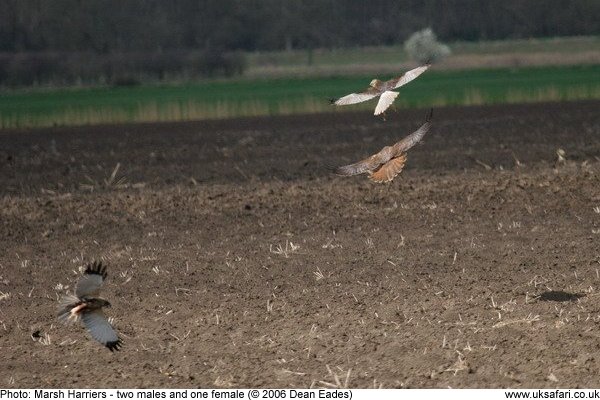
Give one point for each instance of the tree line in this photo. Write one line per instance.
(130, 31)
(154, 25)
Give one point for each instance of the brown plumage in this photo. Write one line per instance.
(387, 163)
(84, 306)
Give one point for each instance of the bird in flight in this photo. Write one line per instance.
(383, 89)
(85, 306)
(385, 165)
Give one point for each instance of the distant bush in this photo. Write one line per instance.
(125, 81)
(4, 62)
(29, 69)
(215, 62)
(423, 46)
(117, 69)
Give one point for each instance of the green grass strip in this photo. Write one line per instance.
(226, 99)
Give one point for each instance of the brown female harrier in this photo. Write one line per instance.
(85, 306)
(385, 165)
(383, 89)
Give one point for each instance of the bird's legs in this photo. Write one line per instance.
(75, 311)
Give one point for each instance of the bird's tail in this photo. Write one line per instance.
(66, 304)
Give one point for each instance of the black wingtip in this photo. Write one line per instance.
(331, 168)
(114, 346)
(96, 268)
(429, 115)
(332, 100)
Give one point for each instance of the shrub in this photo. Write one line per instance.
(214, 62)
(423, 46)
(118, 69)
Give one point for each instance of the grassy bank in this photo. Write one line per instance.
(560, 51)
(288, 96)
(381, 55)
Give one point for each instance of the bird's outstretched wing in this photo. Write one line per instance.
(389, 162)
(354, 98)
(101, 330)
(368, 164)
(386, 100)
(388, 171)
(406, 143)
(408, 76)
(91, 281)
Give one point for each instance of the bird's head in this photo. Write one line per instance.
(375, 83)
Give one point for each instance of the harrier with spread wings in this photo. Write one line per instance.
(85, 306)
(383, 89)
(385, 165)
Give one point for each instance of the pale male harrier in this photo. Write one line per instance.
(383, 89)
(87, 307)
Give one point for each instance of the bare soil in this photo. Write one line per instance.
(237, 260)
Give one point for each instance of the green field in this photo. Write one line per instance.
(224, 99)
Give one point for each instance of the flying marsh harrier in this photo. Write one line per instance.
(383, 89)
(87, 307)
(385, 165)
